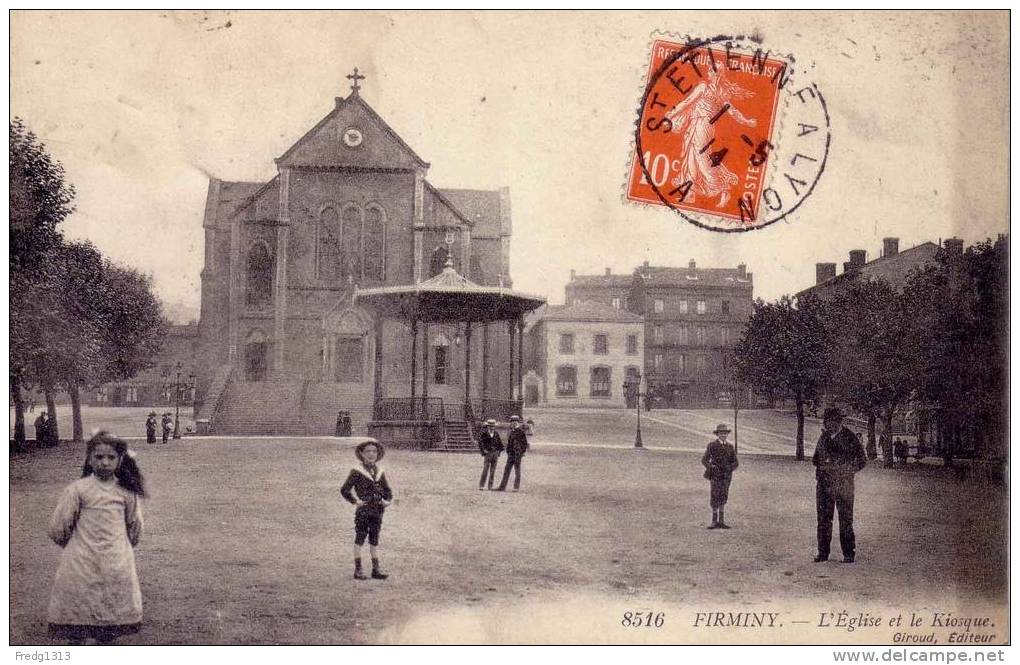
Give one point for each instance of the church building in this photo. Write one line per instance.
(282, 345)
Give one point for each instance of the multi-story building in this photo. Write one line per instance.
(693, 317)
(608, 289)
(892, 265)
(581, 354)
(154, 386)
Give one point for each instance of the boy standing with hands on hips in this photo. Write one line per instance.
(366, 487)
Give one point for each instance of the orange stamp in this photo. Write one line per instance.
(725, 137)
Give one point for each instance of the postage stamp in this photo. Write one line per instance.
(726, 137)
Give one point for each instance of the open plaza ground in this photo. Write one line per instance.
(248, 542)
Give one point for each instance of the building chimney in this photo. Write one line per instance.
(573, 274)
(954, 246)
(691, 265)
(890, 246)
(608, 272)
(742, 270)
(847, 267)
(824, 272)
(858, 257)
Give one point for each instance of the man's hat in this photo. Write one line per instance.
(721, 427)
(517, 418)
(152, 413)
(490, 422)
(359, 450)
(832, 412)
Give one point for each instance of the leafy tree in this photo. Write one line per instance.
(40, 200)
(784, 350)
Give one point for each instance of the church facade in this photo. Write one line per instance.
(282, 345)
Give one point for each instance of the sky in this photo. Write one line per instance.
(142, 108)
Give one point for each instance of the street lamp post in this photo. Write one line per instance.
(177, 387)
(632, 387)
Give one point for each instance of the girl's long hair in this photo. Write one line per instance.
(128, 475)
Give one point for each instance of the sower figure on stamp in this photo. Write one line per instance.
(490, 446)
(516, 446)
(838, 456)
(366, 487)
(720, 460)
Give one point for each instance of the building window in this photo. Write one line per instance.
(132, 395)
(701, 365)
(701, 307)
(631, 345)
(725, 306)
(353, 224)
(683, 306)
(600, 382)
(684, 335)
(259, 291)
(724, 335)
(327, 263)
(682, 360)
(350, 358)
(566, 343)
(566, 381)
(658, 362)
(374, 241)
(657, 334)
(660, 306)
(600, 345)
(616, 303)
(699, 336)
(256, 357)
(441, 361)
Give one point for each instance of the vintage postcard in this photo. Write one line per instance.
(426, 327)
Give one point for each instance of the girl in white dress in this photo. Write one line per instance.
(98, 522)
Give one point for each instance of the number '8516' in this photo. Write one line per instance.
(643, 619)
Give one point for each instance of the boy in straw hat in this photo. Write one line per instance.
(720, 460)
(366, 487)
(490, 445)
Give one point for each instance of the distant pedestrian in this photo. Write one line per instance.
(720, 461)
(366, 487)
(150, 428)
(516, 446)
(168, 425)
(98, 522)
(901, 450)
(838, 456)
(42, 427)
(31, 405)
(490, 445)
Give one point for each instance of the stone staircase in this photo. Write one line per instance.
(261, 408)
(458, 438)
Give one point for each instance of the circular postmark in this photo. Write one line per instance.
(725, 136)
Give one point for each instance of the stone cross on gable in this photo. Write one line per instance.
(355, 77)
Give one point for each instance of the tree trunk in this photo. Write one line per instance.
(51, 408)
(800, 429)
(887, 445)
(19, 415)
(872, 447)
(76, 428)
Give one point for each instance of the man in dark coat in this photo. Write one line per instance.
(838, 456)
(490, 445)
(516, 446)
(150, 428)
(720, 460)
(42, 430)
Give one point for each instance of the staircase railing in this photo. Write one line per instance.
(388, 409)
(206, 416)
(497, 409)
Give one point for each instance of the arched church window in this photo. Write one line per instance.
(328, 245)
(438, 262)
(259, 292)
(256, 356)
(351, 242)
(375, 243)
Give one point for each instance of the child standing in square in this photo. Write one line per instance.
(98, 522)
(720, 461)
(367, 488)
